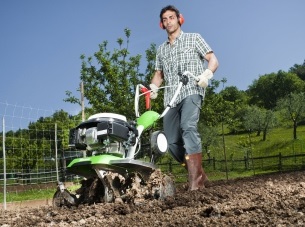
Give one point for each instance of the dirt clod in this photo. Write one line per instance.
(270, 200)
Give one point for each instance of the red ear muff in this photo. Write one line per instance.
(161, 25)
(181, 21)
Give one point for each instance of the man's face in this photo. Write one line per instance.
(170, 21)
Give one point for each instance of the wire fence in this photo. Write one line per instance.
(34, 145)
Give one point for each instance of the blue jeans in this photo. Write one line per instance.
(180, 127)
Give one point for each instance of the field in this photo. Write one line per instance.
(267, 200)
(276, 199)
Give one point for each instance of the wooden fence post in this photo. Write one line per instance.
(280, 161)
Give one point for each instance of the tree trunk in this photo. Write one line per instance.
(295, 125)
(264, 134)
(258, 132)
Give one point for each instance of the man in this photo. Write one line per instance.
(183, 52)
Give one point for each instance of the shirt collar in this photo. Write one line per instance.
(177, 38)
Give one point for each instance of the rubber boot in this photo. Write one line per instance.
(196, 175)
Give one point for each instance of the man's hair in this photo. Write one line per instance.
(171, 8)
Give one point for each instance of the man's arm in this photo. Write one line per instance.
(212, 61)
(209, 72)
(157, 78)
(156, 83)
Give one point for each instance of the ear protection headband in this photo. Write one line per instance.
(181, 21)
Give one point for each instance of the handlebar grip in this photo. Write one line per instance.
(187, 73)
(147, 97)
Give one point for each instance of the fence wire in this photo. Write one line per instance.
(29, 144)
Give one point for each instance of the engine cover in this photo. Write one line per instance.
(114, 130)
(101, 130)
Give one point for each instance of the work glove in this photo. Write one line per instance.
(204, 78)
(154, 91)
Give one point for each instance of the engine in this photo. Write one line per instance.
(104, 133)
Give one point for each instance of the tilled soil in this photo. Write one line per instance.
(269, 200)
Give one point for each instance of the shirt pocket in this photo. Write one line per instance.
(166, 62)
(188, 60)
(186, 55)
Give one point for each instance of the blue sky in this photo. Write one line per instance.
(41, 41)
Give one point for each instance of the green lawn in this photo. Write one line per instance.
(279, 140)
(33, 194)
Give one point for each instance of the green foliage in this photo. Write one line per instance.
(110, 77)
(279, 140)
(224, 107)
(269, 88)
(292, 107)
(209, 136)
(299, 70)
(27, 148)
(258, 120)
(232, 94)
(235, 104)
(211, 110)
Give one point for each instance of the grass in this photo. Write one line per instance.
(34, 194)
(279, 140)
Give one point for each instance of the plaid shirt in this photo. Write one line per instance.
(185, 54)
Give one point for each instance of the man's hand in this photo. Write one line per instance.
(204, 78)
(154, 91)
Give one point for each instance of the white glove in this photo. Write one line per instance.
(154, 91)
(204, 78)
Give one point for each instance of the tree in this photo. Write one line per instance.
(235, 101)
(234, 95)
(292, 107)
(44, 129)
(27, 149)
(270, 121)
(259, 120)
(253, 119)
(223, 106)
(18, 150)
(212, 104)
(299, 70)
(110, 78)
(209, 136)
(22, 152)
(269, 88)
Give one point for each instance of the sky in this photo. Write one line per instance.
(41, 41)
